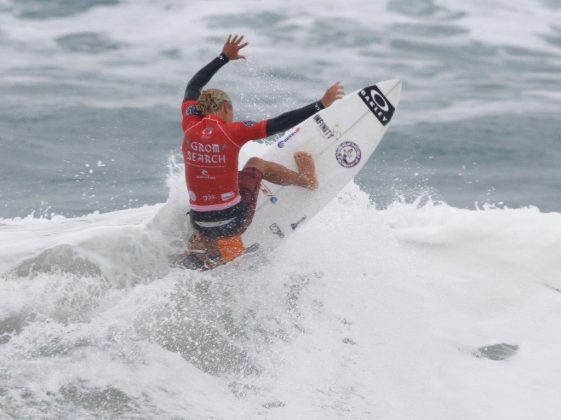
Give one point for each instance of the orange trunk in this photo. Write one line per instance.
(230, 248)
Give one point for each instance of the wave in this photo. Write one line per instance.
(359, 304)
(134, 245)
(443, 41)
(411, 310)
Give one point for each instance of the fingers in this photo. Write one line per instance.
(236, 40)
(333, 93)
(338, 90)
(233, 45)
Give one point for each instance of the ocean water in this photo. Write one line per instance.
(430, 288)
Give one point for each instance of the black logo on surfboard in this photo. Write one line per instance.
(276, 230)
(296, 224)
(377, 103)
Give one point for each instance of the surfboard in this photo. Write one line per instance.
(341, 139)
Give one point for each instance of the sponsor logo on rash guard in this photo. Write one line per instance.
(205, 175)
(206, 153)
(207, 132)
(249, 123)
(323, 127)
(348, 154)
(192, 111)
(227, 196)
(378, 104)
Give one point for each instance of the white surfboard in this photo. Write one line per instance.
(340, 138)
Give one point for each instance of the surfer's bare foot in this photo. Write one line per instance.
(306, 170)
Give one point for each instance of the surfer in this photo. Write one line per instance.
(223, 200)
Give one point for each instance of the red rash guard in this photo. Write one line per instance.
(210, 150)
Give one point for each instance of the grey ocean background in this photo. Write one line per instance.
(89, 111)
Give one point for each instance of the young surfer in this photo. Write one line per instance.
(223, 200)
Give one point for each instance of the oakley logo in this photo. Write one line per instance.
(377, 103)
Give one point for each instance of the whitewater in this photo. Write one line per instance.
(419, 310)
(429, 288)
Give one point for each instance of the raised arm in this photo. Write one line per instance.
(230, 51)
(289, 119)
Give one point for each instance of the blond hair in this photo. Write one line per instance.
(211, 100)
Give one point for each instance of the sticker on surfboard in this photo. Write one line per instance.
(348, 154)
(377, 103)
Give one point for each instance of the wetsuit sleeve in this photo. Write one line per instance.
(202, 77)
(289, 119)
(242, 132)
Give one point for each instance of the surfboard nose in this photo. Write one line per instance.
(397, 89)
(391, 89)
(394, 84)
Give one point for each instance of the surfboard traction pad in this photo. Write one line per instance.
(199, 257)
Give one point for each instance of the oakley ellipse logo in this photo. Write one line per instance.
(377, 103)
(380, 101)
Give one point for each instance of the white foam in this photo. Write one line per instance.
(363, 313)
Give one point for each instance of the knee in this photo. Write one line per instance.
(256, 163)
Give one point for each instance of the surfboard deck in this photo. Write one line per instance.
(340, 138)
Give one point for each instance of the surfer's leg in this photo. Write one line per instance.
(281, 175)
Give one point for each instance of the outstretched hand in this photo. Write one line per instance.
(336, 91)
(232, 47)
